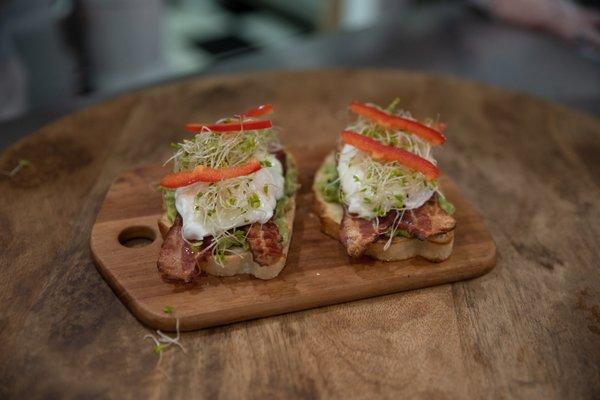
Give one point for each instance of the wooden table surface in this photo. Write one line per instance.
(528, 329)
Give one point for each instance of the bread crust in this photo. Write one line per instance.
(436, 248)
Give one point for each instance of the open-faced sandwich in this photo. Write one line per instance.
(379, 192)
(229, 202)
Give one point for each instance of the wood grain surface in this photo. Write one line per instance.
(528, 329)
(318, 272)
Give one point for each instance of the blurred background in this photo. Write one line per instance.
(60, 55)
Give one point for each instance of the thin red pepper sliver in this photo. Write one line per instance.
(205, 174)
(258, 111)
(390, 153)
(230, 127)
(395, 122)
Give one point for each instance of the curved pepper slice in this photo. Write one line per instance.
(258, 111)
(390, 153)
(205, 174)
(230, 127)
(395, 122)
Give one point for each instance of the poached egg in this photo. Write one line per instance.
(360, 198)
(239, 201)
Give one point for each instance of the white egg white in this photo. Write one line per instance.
(199, 223)
(352, 173)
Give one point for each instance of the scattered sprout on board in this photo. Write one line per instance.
(22, 163)
(163, 341)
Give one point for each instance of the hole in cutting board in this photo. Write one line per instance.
(137, 236)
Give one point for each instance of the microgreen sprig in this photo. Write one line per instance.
(218, 150)
(163, 341)
(22, 163)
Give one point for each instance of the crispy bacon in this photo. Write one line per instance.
(265, 244)
(427, 220)
(176, 260)
(357, 233)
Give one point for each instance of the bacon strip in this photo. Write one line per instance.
(357, 233)
(427, 220)
(176, 260)
(265, 244)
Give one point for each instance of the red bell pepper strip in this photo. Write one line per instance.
(390, 153)
(206, 174)
(230, 127)
(258, 111)
(395, 122)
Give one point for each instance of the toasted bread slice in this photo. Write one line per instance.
(436, 248)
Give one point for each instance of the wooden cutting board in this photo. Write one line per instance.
(125, 242)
